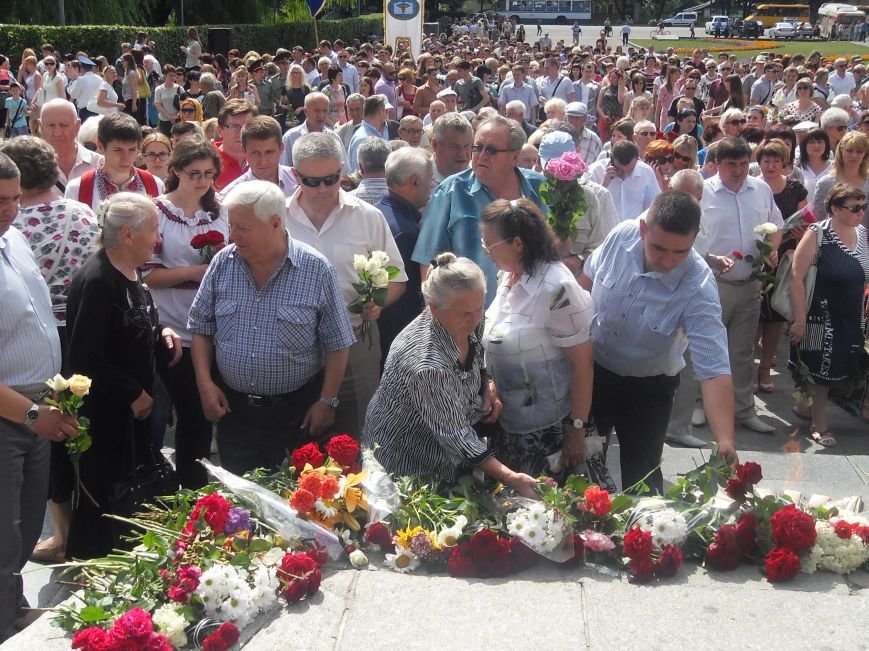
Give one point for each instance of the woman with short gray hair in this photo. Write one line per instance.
(435, 396)
(114, 339)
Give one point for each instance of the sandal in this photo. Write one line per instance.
(824, 438)
(763, 373)
(48, 554)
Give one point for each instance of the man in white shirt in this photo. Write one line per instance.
(85, 88)
(59, 124)
(340, 226)
(522, 91)
(372, 155)
(354, 105)
(554, 84)
(631, 183)
(316, 114)
(733, 204)
(842, 80)
(262, 146)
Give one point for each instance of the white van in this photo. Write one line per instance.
(682, 19)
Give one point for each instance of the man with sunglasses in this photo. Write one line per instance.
(842, 80)
(452, 219)
(351, 74)
(733, 204)
(340, 226)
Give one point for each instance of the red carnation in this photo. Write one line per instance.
(721, 558)
(638, 544)
(211, 238)
(329, 488)
(736, 489)
(303, 500)
(793, 528)
(485, 542)
(597, 501)
(669, 562)
(521, 555)
(782, 564)
(491, 553)
(736, 254)
(299, 575)
(313, 483)
(642, 570)
(378, 534)
(343, 449)
(216, 509)
(843, 529)
(461, 562)
(749, 472)
(308, 453)
(294, 591)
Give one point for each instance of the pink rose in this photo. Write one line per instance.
(561, 170)
(576, 160)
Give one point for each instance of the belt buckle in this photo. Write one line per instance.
(256, 401)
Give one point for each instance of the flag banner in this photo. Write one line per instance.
(316, 7)
(403, 25)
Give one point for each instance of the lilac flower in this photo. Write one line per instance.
(237, 520)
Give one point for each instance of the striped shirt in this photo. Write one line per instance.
(644, 320)
(270, 341)
(421, 418)
(30, 353)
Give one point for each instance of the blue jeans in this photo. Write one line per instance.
(18, 131)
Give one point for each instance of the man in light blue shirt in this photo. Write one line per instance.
(654, 297)
(452, 219)
(351, 74)
(373, 125)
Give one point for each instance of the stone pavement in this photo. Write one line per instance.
(546, 607)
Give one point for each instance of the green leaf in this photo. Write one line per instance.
(393, 272)
(93, 614)
(355, 308)
(241, 559)
(380, 295)
(360, 288)
(258, 545)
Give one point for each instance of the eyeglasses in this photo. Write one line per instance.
(491, 150)
(50, 63)
(841, 127)
(687, 159)
(315, 181)
(738, 122)
(860, 207)
(153, 155)
(198, 175)
(488, 248)
(665, 160)
(646, 134)
(188, 110)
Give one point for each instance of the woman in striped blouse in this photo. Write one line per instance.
(434, 389)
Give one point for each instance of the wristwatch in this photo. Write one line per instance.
(333, 402)
(576, 423)
(31, 415)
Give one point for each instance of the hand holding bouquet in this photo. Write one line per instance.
(69, 397)
(373, 286)
(208, 244)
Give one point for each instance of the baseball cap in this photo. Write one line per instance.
(577, 110)
(554, 144)
(445, 92)
(759, 59)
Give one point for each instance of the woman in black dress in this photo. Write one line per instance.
(113, 339)
(789, 195)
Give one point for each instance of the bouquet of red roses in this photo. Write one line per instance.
(208, 244)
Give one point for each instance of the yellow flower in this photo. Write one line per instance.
(58, 383)
(80, 385)
(404, 536)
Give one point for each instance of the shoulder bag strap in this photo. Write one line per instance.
(86, 188)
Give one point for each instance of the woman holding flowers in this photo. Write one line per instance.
(114, 338)
(827, 335)
(188, 210)
(434, 391)
(537, 343)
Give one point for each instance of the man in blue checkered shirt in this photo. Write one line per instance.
(269, 311)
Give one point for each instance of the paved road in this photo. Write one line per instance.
(590, 33)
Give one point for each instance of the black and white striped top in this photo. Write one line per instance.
(420, 421)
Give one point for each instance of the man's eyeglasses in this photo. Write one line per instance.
(315, 181)
(491, 150)
(153, 155)
(198, 175)
(860, 207)
(646, 134)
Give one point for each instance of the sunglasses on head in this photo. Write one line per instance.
(860, 207)
(315, 181)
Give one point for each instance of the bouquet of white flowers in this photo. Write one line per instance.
(375, 272)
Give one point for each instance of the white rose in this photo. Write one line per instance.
(58, 383)
(359, 262)
(171, 623)
(80, 385)
(358, 558)
(380, 279)
(767, 228)
(381, 257)
(372, 266)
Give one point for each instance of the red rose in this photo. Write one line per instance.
(229, 633)
(135, 624)
(343, 449)
(499, 563)
(89, 638)
(746, 532)
(843, 529)
(198, 241)
(521, 555)
(303, 500)
(736, 254)
(318, 554)
(461, 562)
(315, 577)
(749, 472)
(638, 544)
(863, 532)
(378, 534)
(214, 643)
(294, 591)
(793, 529)
(157, 642)
(722, 558)
(216, 509)
(214, 238)
(312, 482)
(642, 570)
(485, 543)
(597, 501)
(308, 453)
(782, 564)
(299, 576)
(669, 562)
(736, 489)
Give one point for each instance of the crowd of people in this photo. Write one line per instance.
(190, 237)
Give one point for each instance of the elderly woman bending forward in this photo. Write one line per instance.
(537, 341)
(434, 388)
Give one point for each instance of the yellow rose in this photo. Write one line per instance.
(58, 383)
(80, 385)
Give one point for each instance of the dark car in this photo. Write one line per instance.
(749, 28)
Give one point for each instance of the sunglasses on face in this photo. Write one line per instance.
(491, 150)
(665, 160)
(188, 110)
(686, 159)
(315, 181)
(645, 134)
(50, 63)
(737, 122)
(860, 207)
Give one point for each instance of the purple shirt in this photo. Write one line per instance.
(384, 87)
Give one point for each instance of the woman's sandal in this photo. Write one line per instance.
(824, 438)
(48, 554)
(768, 386)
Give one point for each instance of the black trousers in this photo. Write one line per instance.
(639, 410)
(252, 436)
(192, 430)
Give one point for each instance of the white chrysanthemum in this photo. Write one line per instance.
(263, 593)
(403, 561)
(238, 609)
(325, 510)
(168, 621)
(667, 526)
(461, 523)
(449, 537)
(533, 535)
(835, 554)
(517, 523)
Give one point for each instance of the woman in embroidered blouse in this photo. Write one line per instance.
(537, 341)
(62, 234)
(189, 208)
(434, 390)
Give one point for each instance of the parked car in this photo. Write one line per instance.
(782, 30)
(683, 19)
(748, 28)
(805, 30)
(720, 24)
